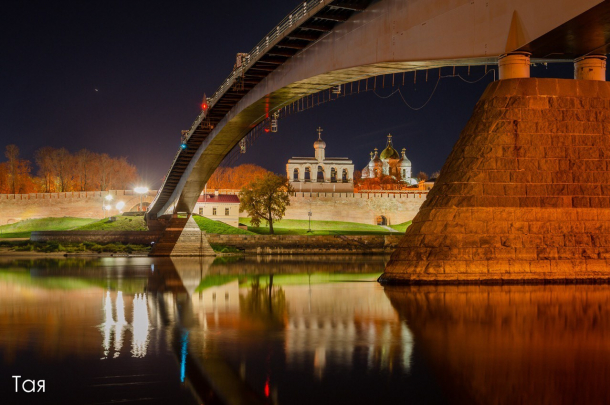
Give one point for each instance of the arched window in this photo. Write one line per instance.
(344, 176)
(404, 174)
(295, 175)
(307, 174)
(333, 175)
(320, 177)
(382, 220)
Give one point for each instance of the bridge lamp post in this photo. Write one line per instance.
(141, 191)
(119, 206)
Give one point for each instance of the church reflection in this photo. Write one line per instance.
(114, 326)
(214, 315)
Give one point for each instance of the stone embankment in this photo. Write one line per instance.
(132, 237)
(250, 244)
(303, 244)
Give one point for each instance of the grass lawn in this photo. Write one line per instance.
(401, 227)
(121, 224)
(23, 229)
(300, 227)
(211, 226)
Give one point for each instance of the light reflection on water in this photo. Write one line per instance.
(115, 329)
(299, 330)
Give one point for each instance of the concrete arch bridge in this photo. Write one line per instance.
(326, 43)
(535, 150)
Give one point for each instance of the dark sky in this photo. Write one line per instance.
(152, 62)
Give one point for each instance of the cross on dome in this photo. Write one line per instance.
(320, 132)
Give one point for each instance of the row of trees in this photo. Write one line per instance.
(60, 171)
(235, 177)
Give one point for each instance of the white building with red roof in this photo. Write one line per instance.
(219, 207)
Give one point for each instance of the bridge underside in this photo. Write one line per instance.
(347, 41)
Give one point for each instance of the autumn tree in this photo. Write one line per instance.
(82, 162)
(63, 168)
(43, 159)
(235, 177)
(435, 174)
(266, 199)
(422, 176)
(12, 154)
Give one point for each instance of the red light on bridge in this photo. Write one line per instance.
(204, 106)
(267, 129)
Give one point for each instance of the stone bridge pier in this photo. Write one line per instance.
(525, 193)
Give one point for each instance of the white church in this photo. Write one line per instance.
(321, 173)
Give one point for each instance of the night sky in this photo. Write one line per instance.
(151, 62)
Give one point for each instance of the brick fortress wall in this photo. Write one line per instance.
(17, 207)
(356, 207)
(364, 207)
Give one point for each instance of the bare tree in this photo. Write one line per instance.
(12, 154)
(44, 161)
(83, 162)
(62, 167)
(422, 176)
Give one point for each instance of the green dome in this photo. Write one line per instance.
(389, 153)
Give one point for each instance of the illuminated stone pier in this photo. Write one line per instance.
(523, 196)
(182, 237)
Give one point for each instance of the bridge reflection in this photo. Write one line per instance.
(227, 310)
(217, 316)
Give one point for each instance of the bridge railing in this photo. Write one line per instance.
(293, 19)
(286, 24)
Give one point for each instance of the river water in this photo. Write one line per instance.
(291, 330)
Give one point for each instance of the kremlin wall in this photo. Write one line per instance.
(350, 207)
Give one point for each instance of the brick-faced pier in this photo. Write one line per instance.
(523, 196)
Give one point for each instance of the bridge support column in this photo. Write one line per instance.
(523, 196)
(182, 237)
(514, 65)
(592, 67)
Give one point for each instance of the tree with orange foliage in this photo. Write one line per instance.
(235, 177)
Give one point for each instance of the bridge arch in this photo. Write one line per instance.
(341, 41)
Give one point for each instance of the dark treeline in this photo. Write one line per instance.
(58, 170)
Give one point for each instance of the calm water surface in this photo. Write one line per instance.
(300, 330)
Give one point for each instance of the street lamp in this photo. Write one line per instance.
(141, 191)
(107, 206)
(119, 206)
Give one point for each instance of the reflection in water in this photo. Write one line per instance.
(140, 325)
(279, 320)
(301, 330)
(513, 344)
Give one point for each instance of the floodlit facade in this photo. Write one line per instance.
(319, 173)
(219, 207)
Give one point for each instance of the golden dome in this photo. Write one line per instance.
(389, 152)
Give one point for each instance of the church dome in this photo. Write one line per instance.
(376, 161)
(319, 144)
(371, 164)
(365, 172)
(389, 152)
(404, 162)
